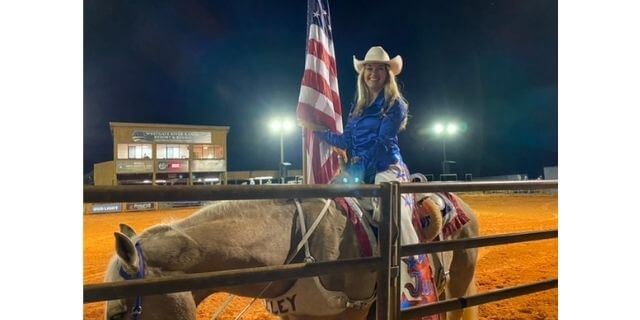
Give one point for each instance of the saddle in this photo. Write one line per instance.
(434, 214)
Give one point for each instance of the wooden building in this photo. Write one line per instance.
(165, 154)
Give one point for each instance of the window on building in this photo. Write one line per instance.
(134, 151)
(172, 151)
(171, 179)
(204, 178)
(134, 178)
(207, 151)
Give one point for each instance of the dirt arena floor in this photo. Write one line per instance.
(498, 266)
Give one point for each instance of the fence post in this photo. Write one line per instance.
(396, 235)
(384, 243)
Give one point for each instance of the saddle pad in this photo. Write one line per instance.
(455, 216)
(350, 208)
(417, 284)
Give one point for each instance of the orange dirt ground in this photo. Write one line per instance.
(498, 266)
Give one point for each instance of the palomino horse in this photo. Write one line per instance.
(255, 233)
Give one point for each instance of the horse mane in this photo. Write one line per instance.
(112, 269)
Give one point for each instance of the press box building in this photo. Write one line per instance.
(165, 154)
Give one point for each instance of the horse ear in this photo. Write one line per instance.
(126, 251)
(127, 230)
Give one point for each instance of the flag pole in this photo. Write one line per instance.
(304, 159)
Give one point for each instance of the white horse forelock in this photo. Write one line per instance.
(112, 273)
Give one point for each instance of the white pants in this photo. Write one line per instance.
(398, 172)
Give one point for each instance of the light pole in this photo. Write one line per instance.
(281, 126)
(444, 130)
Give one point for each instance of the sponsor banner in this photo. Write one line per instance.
(106, 207)
(173, 165)
(134, 166)
(171, 136)
(179, 204)
(208, 166)
(141, 206)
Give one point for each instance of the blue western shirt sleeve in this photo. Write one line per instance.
(341, 141)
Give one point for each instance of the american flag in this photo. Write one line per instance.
(319, 100)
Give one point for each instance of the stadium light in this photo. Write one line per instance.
(442, 130)
(438, 128)
(452, 128)
(281, 126)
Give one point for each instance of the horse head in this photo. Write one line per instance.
(129, 263)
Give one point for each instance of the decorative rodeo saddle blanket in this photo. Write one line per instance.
(453, 216)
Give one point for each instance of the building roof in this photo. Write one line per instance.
(164, 125)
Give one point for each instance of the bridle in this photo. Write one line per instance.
(137, 309)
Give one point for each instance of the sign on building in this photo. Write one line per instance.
(208, 165)
(173, 165)
(171, 136)
(134, 166)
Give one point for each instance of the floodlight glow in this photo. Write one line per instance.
(287, 125)
(438, 128)
(452, 128)
(275, 125)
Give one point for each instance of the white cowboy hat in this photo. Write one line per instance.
(378, 55)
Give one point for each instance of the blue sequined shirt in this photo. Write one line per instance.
(372, 137)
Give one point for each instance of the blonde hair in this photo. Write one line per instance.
(391, 94)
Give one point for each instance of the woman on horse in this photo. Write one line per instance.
(370, 137)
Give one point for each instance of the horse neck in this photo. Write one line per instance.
(249, 234)
(243, 234)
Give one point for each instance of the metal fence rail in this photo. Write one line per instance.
(236, 192)
(478, 299)
(218, 279)
(386, 264)
(478, 186)
(221, 279)
(485, 241)
(225, 192)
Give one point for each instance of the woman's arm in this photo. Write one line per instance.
(341, 141)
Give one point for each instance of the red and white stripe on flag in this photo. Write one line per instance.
(319, 100)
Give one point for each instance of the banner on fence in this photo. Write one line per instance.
(140, 206)
(106, 207)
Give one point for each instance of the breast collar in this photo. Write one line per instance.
(308, 296)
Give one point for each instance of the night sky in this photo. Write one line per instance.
(490, 64)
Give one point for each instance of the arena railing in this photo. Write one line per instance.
(387, 264)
